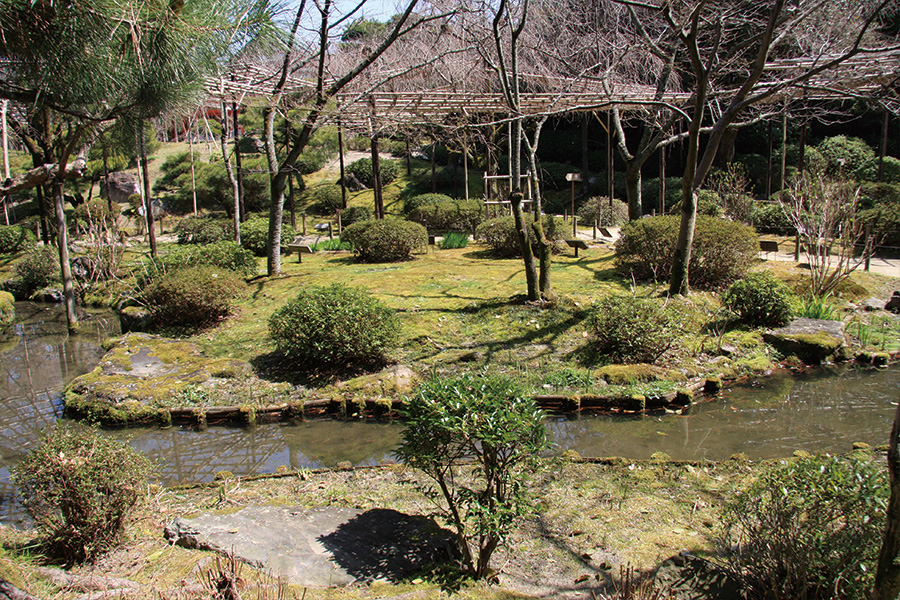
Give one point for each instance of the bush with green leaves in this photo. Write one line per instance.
(224, 255)
(761, 300)
(211, 184)
(500, 234)
(39, 268)
(890, 170)
(770, 217)
(14, 238)
(597, 209)
(255, 235)
(362, 170)
(385, 240)
(628, 329)
(723, 251)
(492, 421)
(451, 215)
(808, 528)
(335, 326)
(414, 202)
(80, 487)
(89, 214)
(325, 199)
(204, 230)
(846, 155)
(355, 214)
(455, 239)
(193, 296)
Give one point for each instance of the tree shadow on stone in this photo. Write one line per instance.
(384, 544)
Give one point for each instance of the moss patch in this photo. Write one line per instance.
(7, 308)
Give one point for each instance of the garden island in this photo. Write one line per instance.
(470, 219)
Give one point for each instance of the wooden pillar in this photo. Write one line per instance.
(585, 166)
(408, 159)
(662, 180)
(341, 162)
(466, 170)
(376, 178)
(784, 132)
(433, 181)
(238, 167)
(883, 149)
(769, 163)
(610, 172)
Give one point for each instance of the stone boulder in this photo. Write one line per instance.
(121, 186)
(811, 340)
(7, 308)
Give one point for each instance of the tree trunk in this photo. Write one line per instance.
(148, 203)
(64, 265)
(238, 168)
(376, 179)
(235, 190)
(277, 184)
(531, 275)
(887, 574)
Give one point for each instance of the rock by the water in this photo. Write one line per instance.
(873, 304)
(319, 547)
(811, 340)
(134, 318)
(7, 308)
(121, 186)
(893, 304)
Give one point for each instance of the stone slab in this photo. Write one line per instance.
(319, 547)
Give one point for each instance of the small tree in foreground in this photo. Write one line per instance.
(80, 487)
(489, 420)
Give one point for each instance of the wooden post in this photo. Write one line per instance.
(433, 181)
(376, 178)
(868, 246)
(882, 150)
(797, 249)
(610, 174)
(408, 159)
(341, 162)
(338, 218)
(769, 164)
(330, 231)
(662, 180)
(304, 223)
(466, 170)
(784, 132)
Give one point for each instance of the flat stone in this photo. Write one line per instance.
(812, 340)
(319, 547)
(873, 304)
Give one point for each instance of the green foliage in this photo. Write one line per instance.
(500, 234)
(808, 528)
(38, 268)
(491, 420)
(80, 487)
(95, 211)
(421, 200)
(650, 194)
(334, 325)
(760, 299)
(455, 239)
(629, 329)
(355, 214)
(385, 240)
(213, 189)
(723, 251)
(570, 377)
(332, 244)
(871, 195)
(324, 199)
(817, 307)
(846, 155)
(450, 215)
(193, 295)
(224, 255)
(14, 238)
(204, 230)
(255, 235)
(770, 217)
(597, 209)
(553, 175)
(362, 170)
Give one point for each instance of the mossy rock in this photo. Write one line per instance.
(394, 382)
(811, 340)
(639, 373)
(7, 308)
(142, 376)
(135, 318)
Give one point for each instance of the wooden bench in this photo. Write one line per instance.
(300, 249)
(577, 244)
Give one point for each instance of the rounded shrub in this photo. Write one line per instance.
(415, 202)
(385, 240)
(193, 296)
(808, 528)
(760, 299)
(334, 325)
(204, 230)
(500, 234)
(95, 212)
(770, 217)
(39, 268)
(450, 215)
(15, 239)
(362, 170)
(80, 487)
(629, 329)
(355, 214)
(597, 209)
(847, 155)
(723, 251)
(255, 235)
(325, 199)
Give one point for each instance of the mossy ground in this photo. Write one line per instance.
(587, 520)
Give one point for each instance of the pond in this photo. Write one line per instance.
(823, 410)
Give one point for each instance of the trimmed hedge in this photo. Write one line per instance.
(500, 234)
(193, 296)
(723, 251)
(14, 239)
(334, 325)
(449, 215)
(362, 170)
(204, 230)
(597, 208)
(385, 240)
(421, 200)
(761, 300)
(630, 330)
